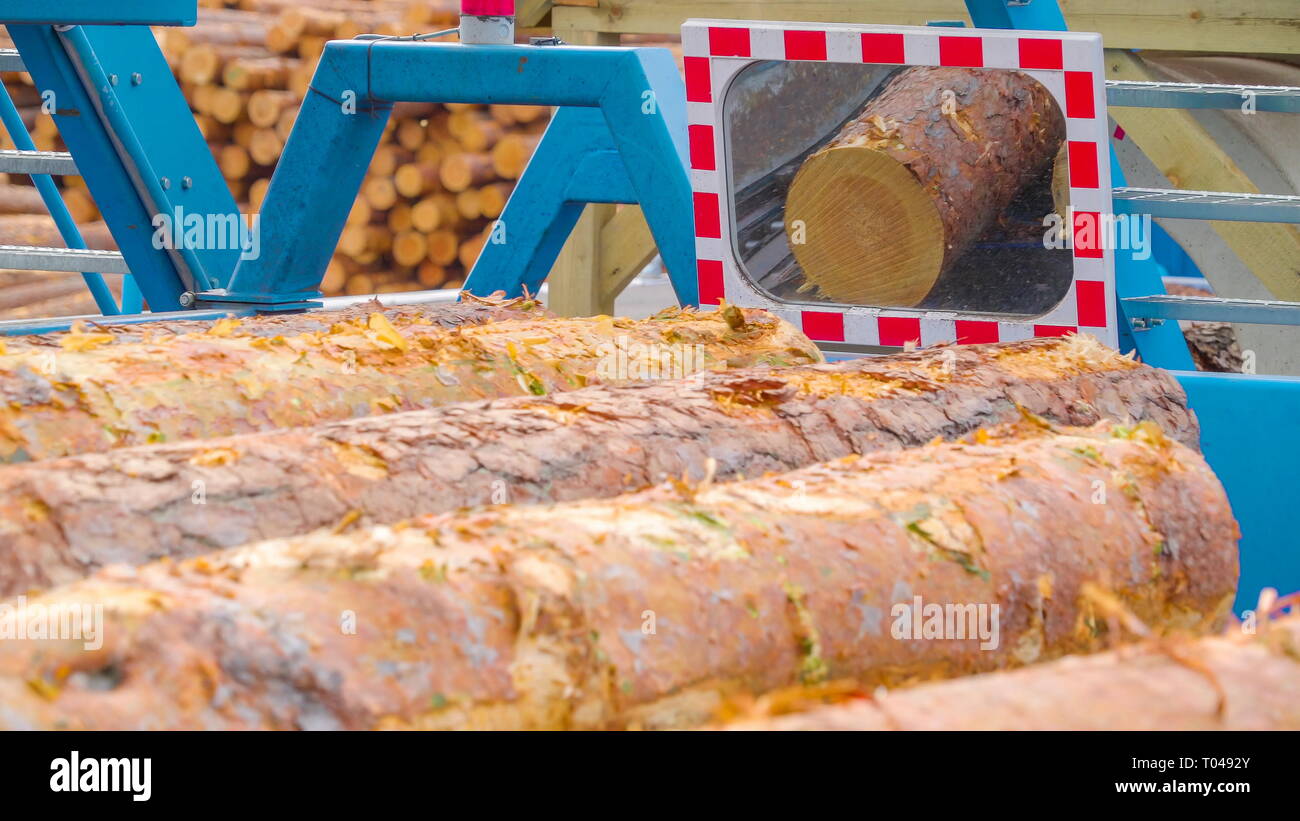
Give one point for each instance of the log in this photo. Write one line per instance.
(413, 180)
(409, 248)
(40, 230)
(444, 247)
(21, 199)
(1229, 682)
(461, 171)
(266, 105)
(432, 212)
(879, 214)
(264, 146)
(95, 396)
(254, 74)
(135, 505)
(472, 311)
(510, 155)
(646, 610)
(493, 198)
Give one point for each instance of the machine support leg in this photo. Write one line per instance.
(314, 186)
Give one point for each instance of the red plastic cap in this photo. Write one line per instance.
(488, 8)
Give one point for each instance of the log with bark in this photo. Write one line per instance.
(879, 214)
(649, 609)
(470, 310)
(1231, 682)
(91, 396)
(62, 519)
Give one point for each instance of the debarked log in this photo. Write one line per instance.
(62, 519)
(648, 610)
(879, 214)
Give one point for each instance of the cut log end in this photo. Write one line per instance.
(864, 229)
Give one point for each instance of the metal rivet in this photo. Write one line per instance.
(137, 78)
(166, 183)
(187, 299)
(112, 79)
(186, 182)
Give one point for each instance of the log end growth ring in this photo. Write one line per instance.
(863, 228)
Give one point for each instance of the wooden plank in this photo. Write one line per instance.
(1244, 26)
(1189, 157)
(531, 12)
(575, 285)
(626, 248)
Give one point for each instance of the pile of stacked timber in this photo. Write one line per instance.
(440, 176)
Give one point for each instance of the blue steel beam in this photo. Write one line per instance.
(118, 108)
(638, 94)
(98, 12)
(13, 123)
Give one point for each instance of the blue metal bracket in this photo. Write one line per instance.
(620, 136)
(125, 121)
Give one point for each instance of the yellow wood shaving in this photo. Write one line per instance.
(224, 327)
(385, 332)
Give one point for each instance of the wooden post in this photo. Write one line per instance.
(576, 286)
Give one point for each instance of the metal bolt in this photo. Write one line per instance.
(186, 182)
(112, 79)
(137, 78)
(187, 299)
(166, 183)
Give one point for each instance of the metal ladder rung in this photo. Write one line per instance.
(71, 260)
(1207, 205)
(37, 162)
(1281, 99)
(1214, 309)
(11, 60)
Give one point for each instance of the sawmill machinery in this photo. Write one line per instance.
(630, 128)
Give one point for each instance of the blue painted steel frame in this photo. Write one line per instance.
(68, 230)
(99, 12)
(620, 136)
(123, 117)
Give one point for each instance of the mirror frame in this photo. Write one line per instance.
(1070, 65)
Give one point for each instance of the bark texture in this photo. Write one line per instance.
(648, 609)
(878, 215)
(1231, 682)
(91, 396)
(471, 311)
(62, 519)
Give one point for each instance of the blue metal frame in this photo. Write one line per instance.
(620, 136)
(99, 12)
(124, 119)
(13, 124)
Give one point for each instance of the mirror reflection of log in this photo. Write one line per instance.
(912, 187)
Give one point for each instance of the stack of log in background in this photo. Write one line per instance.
(441, 174)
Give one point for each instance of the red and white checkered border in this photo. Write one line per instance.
(1069, 64)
